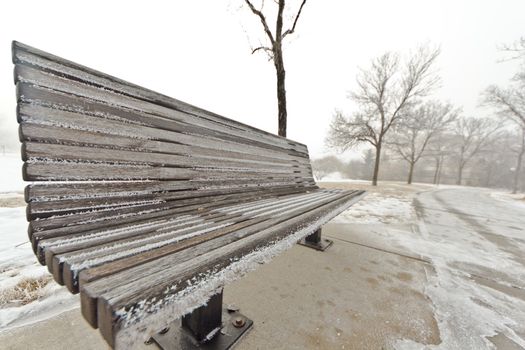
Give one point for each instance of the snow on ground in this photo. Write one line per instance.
(338, 177)
(11, 174)
(474, 239)
(388, 203)
(517, 199)
(26, 295)
(379, 208)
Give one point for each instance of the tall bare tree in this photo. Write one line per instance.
(274, 50)
(418, 126)
(472, 136)
(440, 148)
(384, 90)
(321, 167)
(516, 49)
(510, 104)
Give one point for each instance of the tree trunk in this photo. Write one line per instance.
(516, 182)
(410, 173)
(437, 171)
(376, 165)
(281, 90)
(460, 175)
(518, 170)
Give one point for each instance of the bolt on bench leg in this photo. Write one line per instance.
(207, 327)
(315, 241)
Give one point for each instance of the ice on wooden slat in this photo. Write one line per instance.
(44, 160)
(260, 204)
(140, 323)
(107, 206)
(92, 195)
(63, 242)
(132, 251)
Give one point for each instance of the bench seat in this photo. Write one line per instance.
(147, 205)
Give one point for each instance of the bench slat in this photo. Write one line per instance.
(146, 204)
(101, 154)
(26, 74)
(39, 192)
(170, 135)
(59, 135)
(44, 209)
(190, 263)
(51, 63)
(67, 224)
(98, 246)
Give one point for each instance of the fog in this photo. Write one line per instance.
(200, 52)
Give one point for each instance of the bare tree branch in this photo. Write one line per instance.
(263, 20)
(517, 49)
(384, 91)
(509, 103)
(471, 136)
(292, 30)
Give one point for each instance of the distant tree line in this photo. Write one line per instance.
(416, 138)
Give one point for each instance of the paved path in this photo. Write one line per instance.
(453, 278)
(476, 244)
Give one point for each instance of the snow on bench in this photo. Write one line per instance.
(147, 205)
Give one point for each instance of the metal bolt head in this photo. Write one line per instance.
(239, 322)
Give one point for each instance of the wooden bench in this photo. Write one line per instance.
(147, 205)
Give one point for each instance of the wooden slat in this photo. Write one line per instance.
(147, 128)
(33, 76)
(139, 130)
(137, 193)
(44, 209)
(51, 63)
(42, 192)
(101, 154)
(64, 225)
(99, 244)
(96, 292)
(68, 136)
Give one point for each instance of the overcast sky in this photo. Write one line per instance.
(199, 51)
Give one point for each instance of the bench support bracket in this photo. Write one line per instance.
(207, 327)
(315, 241)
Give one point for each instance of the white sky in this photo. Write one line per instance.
(199, 51)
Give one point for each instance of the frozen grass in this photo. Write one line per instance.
(25, 291)
(25, 294)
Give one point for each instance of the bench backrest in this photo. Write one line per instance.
(101, 148)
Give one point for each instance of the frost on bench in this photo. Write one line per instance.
(146, 205)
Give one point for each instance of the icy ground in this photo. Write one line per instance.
(475, 241)
(17, 261)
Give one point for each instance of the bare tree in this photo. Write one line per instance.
(519, 150)
(326, 165)
(418, 126)
(274, 51)
(471, 136)
(384, 90)
(516, 49)
(510, 104)
(440, 147)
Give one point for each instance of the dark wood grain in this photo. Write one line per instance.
(135, 194)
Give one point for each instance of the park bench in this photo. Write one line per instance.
(147, 206)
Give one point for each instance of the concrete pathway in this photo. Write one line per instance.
(454, 279)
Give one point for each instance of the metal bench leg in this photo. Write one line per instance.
(315, 241)
(207, 327)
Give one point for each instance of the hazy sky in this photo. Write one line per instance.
(199, 51)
